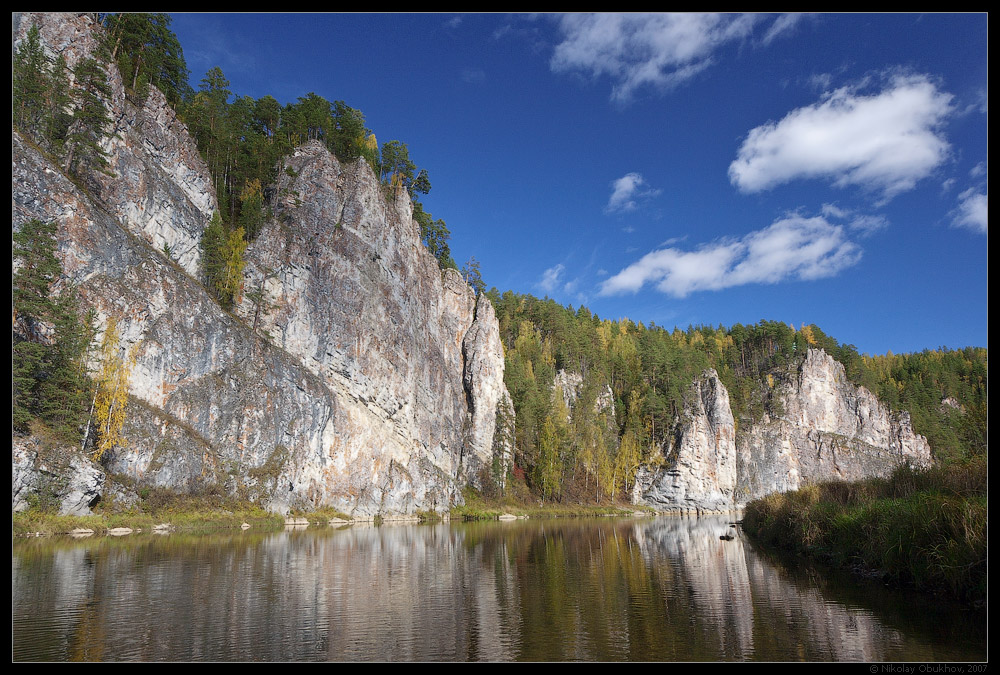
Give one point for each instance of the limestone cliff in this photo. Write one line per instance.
(699, 468)
(830, 429)
(360, 376)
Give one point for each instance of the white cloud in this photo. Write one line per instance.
(640, 50)
(948, 184)
(868, 224)
(978, 170)
(626, 191)
(453, 22)
(972, 211)
(794, 247)
(885, 142)
(834, 211)
(550, 278)
(820, 81)
(785, 23)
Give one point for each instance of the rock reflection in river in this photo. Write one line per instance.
(599, 589)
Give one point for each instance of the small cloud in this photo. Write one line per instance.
(794, 247)
(980, 104)
(602, 272)
(637, 51)
(550, 278)
(453, 22)
(473, 75)
(886, 141)
(785, 23)
(628, 229)
(947, 185)
(983, 101)
(978, 170)
(626, 192)
(820, 81)
(834, 211)
(503, 31)
(865, 224)
(972, 211)
(868, 224)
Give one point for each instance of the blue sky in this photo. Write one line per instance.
(676, 169)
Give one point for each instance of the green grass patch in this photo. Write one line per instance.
(208, 510)
(479, 507)
(922, 528)
(320, 516)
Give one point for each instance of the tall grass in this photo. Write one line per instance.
(925, 528)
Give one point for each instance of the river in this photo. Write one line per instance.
(600, 589)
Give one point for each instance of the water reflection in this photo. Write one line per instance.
(601, 589)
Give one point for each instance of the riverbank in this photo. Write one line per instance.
(214, 512)
(921, 528)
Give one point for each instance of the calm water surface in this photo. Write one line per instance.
(665, 589)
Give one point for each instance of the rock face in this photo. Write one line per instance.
(830, 430)
(353, 372)
(699, 473)
(570, 384)
(53, 477)
(159, 188)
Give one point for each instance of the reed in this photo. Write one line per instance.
(923, 528)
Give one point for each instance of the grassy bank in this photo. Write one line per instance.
(38, 522)
(214, 511)
(922, 528)
(480, 507)
(207, 511)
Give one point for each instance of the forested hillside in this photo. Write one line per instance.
(649, 370)
(582, 445)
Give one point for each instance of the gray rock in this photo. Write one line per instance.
(53, 477)
(698, 473)
(830, 430)
(368, 380)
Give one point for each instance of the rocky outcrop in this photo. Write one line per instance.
(571, 385)
(830, 429)
(698, 473)
(157, 185)
(353, 372)
(491, 428)
(53, 477)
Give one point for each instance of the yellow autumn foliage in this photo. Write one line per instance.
(112, 390)
(807, 333)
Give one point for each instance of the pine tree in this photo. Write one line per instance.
(90, 119)
(223, 260)
(59, 113)
(252, 208)
(212, 241)
(29, 85)
(50, 337)
(147, 53)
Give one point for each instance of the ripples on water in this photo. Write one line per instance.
(666, 589)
